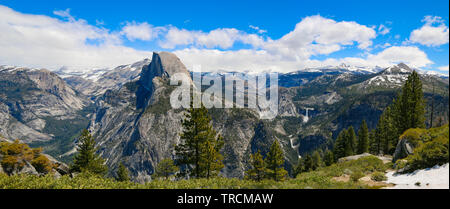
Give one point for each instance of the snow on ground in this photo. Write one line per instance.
(430, 178)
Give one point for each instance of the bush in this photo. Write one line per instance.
(42, 164)
(356, 176)
(429, 154)
(16, 154)
(378, 176)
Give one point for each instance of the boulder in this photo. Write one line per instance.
(61, 168)
(403, 149)
(27, 169)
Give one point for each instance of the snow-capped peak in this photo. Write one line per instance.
(96, 73)
(398, 69)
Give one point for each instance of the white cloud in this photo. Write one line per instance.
(262, 60)
(429, 34)
(223, 38)
(42, 41)
(259, 30)
(443, 68)
(317, 35)
(383, 30)
(410, 55)
(142, 31)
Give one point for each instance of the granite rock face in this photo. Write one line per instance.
(29, 98)
(136, 124)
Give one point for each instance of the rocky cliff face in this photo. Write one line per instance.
(29, 97)
(137, 126)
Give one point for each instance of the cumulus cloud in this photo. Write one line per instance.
(42, 41)
(433, 33)
(141, 31)
(316, 35)
(223, 38)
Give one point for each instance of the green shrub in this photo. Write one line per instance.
(42, 164)
(378, 176)
(356, 176)
(429, 154)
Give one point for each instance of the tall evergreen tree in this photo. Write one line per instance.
(350, 144)
(363, 138)
(301, 166)
(122, 173)
(87, 159)
(432, 108)
(212, 158)
(200, 146)
(317, 160)
(373, 140)
(275, 161)
(380, 135)
(409, 107)
(258, 170)
(339, 145)
(328, 159)
(309, 163)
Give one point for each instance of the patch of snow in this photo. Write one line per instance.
(430, 178)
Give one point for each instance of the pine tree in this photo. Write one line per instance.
(380, 136)
(328, 159)
(363, 138)
(87, 159)
(309, 163)
(275, 161)
(200, 146)
(212, 159)
(350, 144)
(317, 160)
(122, 173)
(432, 108)
(165, 168)
(301, 166)
(409, 107)
(259, 168)
(373, 147)
(339, 145)
(386, 134)
(391, 139)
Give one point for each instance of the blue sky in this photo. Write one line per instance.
(258, 30)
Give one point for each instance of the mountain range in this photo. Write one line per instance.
(127, 109)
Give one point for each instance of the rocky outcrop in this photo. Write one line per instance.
(403, 149)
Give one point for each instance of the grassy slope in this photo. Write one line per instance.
(319, 179)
